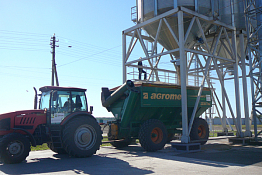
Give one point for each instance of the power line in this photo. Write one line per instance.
(86, 57)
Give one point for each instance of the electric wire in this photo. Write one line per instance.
(106, 59)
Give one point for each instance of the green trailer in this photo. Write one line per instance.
(152, 113)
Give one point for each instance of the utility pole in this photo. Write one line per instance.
(54, 72)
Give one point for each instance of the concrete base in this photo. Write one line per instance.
(187, 147)
(246, 141)
(239, 140)
(225, 134)
(248, 134)
(257, 142)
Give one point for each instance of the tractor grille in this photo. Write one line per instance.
(27, 120)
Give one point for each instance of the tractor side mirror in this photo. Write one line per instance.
(91, 109)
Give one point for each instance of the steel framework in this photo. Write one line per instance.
(253, 11)
(206, 54)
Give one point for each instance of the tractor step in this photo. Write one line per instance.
(56, 136)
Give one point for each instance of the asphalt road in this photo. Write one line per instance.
(216, 157)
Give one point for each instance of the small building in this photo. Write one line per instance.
(216, 121)
(104, 120)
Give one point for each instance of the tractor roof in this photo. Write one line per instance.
(49, 88)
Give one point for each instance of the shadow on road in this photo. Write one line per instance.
(233, 154)
(109, 160)
(94, 165)
(217, 155)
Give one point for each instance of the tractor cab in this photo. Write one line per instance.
(59, 102)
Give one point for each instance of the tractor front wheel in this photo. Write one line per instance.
(14, 148)
(82, 137)
(152, 135)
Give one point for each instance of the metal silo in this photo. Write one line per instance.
(225, 11)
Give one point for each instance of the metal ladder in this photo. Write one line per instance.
(56, 136)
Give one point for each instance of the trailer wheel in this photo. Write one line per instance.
(199, 131)
(121, 144)
(14, 147)
(118, 144)
(152, 135)
(56, 150)
(82, 137)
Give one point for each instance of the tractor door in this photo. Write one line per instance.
(61, 106)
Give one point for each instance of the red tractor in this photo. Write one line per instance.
(62, 121)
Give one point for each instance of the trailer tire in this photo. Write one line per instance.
(118, 144)
(152, 135)
(199, 131)
(121, 144)
(14, 147)
(56, 150)
(82, 136)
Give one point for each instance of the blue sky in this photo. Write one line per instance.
(92, 28)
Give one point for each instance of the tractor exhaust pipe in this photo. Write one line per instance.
(35, 101)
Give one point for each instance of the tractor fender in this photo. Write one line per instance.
(31, 137)
(75, 114)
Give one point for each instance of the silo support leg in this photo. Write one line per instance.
(124, 56)
(237, 92)
(183, 68)
(246, 109)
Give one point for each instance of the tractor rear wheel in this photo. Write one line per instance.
(14, 148)
(56, 150)
(82, 136)
(199, 131)
(152, 135)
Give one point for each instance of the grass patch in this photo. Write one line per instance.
(45, 147)
(214, 133)
(104, 140)
(39, 147)
(243, 126)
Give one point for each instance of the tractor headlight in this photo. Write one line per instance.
(5, 124)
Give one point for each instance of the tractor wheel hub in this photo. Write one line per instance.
(14, 148)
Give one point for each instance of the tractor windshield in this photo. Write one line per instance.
(64, 103)
(44, 102)
(79, 100)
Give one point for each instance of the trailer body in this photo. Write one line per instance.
(134, 104)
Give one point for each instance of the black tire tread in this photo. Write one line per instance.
(194, 131)
(145, 135)
(121, 144)
(67, 141)
(5, 157)
(56, 150)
